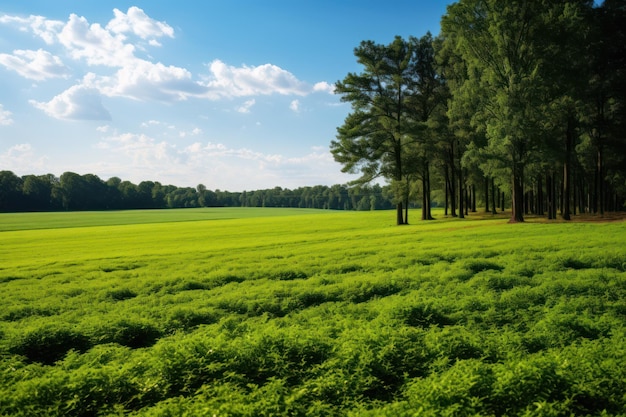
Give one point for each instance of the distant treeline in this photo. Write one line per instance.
(76, 192)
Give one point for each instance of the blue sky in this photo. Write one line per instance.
(235, 95)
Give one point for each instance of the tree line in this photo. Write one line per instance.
(75, 192)
(523, 100)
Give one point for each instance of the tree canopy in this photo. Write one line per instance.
(509, 94)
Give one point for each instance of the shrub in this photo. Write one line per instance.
(22, 312)
(121, 294)
(194, 285)
(454, 342)
(360, 292)
(130, 333)
(521, 384)
(186, 318)
(49, 344)
(479, 265)
(458, 391)
(423, 315)
(289, 274)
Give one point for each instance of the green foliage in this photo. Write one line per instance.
(49, 344)
(323, 314)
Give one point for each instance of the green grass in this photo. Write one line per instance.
(252, 312)
(54, 220)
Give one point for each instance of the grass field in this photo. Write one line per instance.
(54, 220)
(269, 312)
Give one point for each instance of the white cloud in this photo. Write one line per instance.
(132, 77)
(150, 123)
(323, 86)
(22, 158)
(44, 28)
(141, 149)
(36, 65)
(18, 152)
(103, 129)
(295, 106)
(245, 107)
(5, 117)
(76, 103)
(95, 44)
(140, 156)
(144, 80)
(229, 81)
(137, 22)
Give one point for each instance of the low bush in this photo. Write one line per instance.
(132, 333)
(49, 344)
(121, 294)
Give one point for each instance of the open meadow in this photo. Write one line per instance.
(270, 312)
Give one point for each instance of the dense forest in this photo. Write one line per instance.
(517, 104)
(77, 192)
(525, 96)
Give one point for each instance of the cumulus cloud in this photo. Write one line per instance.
(323, 86)
(145, 81)
(35, 65)
(228, 81)
(111, 45)
(95, 44)
(76, 103)
(137, 22)
(5, 116)
(44, 28)
(295, 105)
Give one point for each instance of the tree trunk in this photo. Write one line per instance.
(493, 196)
(399, 215)
(549, 196)
(569, 141)
(600, 182)
(447, 190)
(473, 191)
(426, 214)
(406, 211)
(517, 198)
(452, 190)
(461, 192)
(486, 194)
(574, 192)
(428, 199)
(424, 210)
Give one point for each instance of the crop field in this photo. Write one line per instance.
(286, 312)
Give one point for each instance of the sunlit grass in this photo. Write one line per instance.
(53, 220)
(310, 313)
